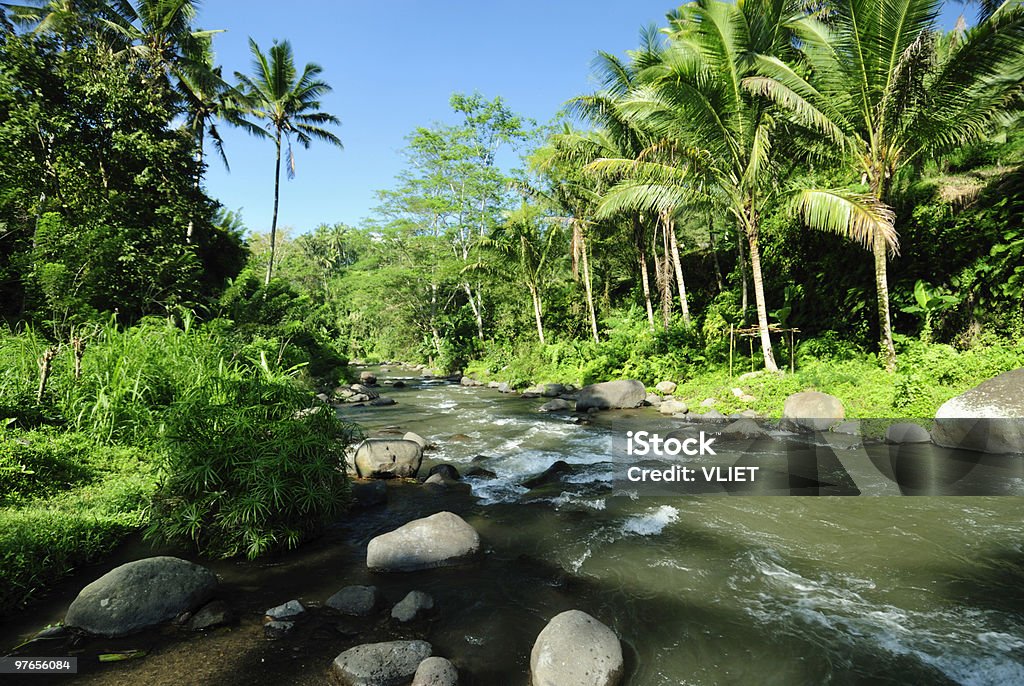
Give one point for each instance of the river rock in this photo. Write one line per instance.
(652, 399)
(383, 401)
(277, 628)
(412, 606)
(365, 390)
(666, 387)
(436, 541)
(215, 613)
(907, 432)
(493, 384)
(481, 473)
(368, 493)
(398, 384)
(712, 417)
(553, 390)
(743, 429)
(988, 418)
(385, 458)
(575, 649)
(290, 610)
(368, 378)
(469, 382)
(446, 471)
(505, 388)
(417, 439)
(381, 664)
(355, 601)
(140, 594)
(556, 405)
(436, 671)
(611, 395)
(673, 406)
(550, 475)
(811, 411)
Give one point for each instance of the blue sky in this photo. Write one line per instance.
(393, 65)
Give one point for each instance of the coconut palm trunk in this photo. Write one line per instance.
(588, 288)
(750, 221)
(277, 197)
(674, 247)
(537, 314)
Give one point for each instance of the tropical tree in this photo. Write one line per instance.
(885, 99)
(288, 104)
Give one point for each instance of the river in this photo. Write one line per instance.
(708, 590)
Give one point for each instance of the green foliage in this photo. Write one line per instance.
(248, 469)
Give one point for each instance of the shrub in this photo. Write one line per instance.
(250, 467)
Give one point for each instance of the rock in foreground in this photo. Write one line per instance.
(575, 649)
(385, 458)
(140, 594)
(988, 418)
(611, 395)
(381, 664)
(811, 411)
(436, 671)
(436, 541)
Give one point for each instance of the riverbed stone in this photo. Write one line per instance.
(436, 541)
(907, 432)
(386, 458)
(556, 405)
(611, 395)
(743, 429)
(549, 476)
(481, 473)
(666, 387)
(417, 439)
(988, 418)
(278, 628)
(392, 663)
(575, 649)
(140, 594)
(289, 610)
(652, 399)
(383, 401)
(469, 382)
(215, 613)
(809, 411)
(436, 671)
(504, 388)
(447, 471)
(673, 406)
(553, 390)
(355, 601)
(368, 378)
(412, 607)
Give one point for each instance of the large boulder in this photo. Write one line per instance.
(436, 671)
(811, 411)
(988, 418)
(393, 663)
(611, 395)
(436, 541)
(386, 458)
(575, 649)
(140, 594)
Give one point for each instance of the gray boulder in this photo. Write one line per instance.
(811, 411)
(356, 601)
(672, 406)
(140, 594)
(447, 471)
(436, 671)
(611, 395)
(368, 378)
(383, 402)
(575, 649)
(553, 390)
(743, 429)
(652, 399)
(666, 387)
(556, 405)
(381, 664)
(277, 628)
(550, 475)
(386, 458)
(471, 383)
(290, 610)
(436, 541)
(907, 432)
(416, 438)
(213, 614)
(988, 418)
(412, 607)
(505, 388)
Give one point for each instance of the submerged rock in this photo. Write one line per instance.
(439, 540)
(213, 614)
(140, 594)
(393, 663)
(446, 471)
(811, 411)
(356, 601)
(368, 493)
(575, 649)
(988, 418)
(611, 395)
(550, 475)
(412, 607)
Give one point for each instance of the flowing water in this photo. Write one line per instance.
(702, 590)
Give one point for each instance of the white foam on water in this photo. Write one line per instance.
(572, 500)
(652, 522)
(959, 643)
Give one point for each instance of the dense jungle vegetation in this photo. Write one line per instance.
(845, 169)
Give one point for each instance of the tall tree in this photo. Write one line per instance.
(885, 99)
(288, 104)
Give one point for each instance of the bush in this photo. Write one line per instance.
(40, 464)
(250, 467)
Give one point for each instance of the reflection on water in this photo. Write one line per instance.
(703, 590)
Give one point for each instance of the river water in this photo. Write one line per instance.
(703, 590)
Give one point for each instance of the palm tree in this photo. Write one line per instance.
(288, 103)
(885, 99)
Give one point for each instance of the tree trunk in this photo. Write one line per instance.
(762, 310)
(537, 312)
(641, 243)
(743, 274)
(674, 246)
(663, 271)
(885, 344)
(588, 287)
(273, 222)
(475, 305)
(714, 254)
(196, 181)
